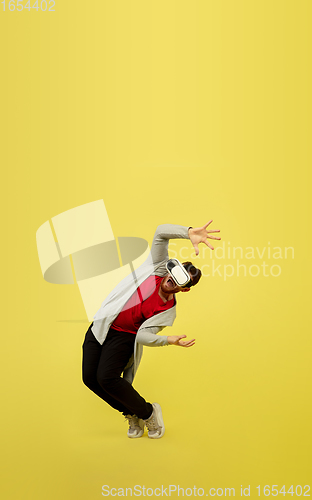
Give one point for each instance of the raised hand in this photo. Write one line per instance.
(201, 235)
(176, 340)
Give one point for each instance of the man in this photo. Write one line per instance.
(132, 315)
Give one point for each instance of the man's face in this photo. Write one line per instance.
(169, 286)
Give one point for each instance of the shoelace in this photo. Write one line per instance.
(151, 424)
(133, 421)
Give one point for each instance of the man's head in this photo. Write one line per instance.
(169, 286)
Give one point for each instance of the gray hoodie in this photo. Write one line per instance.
(155, 264)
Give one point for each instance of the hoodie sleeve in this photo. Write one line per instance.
(148, 336)
(163, 234)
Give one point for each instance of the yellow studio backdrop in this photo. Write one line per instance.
(170, 112)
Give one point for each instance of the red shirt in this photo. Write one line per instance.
(143, 304)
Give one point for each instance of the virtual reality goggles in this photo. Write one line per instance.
(178, 273)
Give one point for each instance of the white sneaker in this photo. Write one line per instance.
(136, 426)
(155, 423)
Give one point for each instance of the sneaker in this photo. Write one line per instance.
(136, 426)
(155, 423)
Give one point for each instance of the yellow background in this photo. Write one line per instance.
(171, 112)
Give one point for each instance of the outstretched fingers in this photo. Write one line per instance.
(187, 343)
(214, 237)
(208, 244)
(196, 248)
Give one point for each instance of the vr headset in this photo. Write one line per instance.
(178, 273)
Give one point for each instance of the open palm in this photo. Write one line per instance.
(201, 235)
(176, 340)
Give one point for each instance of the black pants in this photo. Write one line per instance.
(102, 366)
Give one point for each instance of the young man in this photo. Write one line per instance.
(132, 315)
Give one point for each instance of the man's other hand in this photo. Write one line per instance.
(176, 340)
